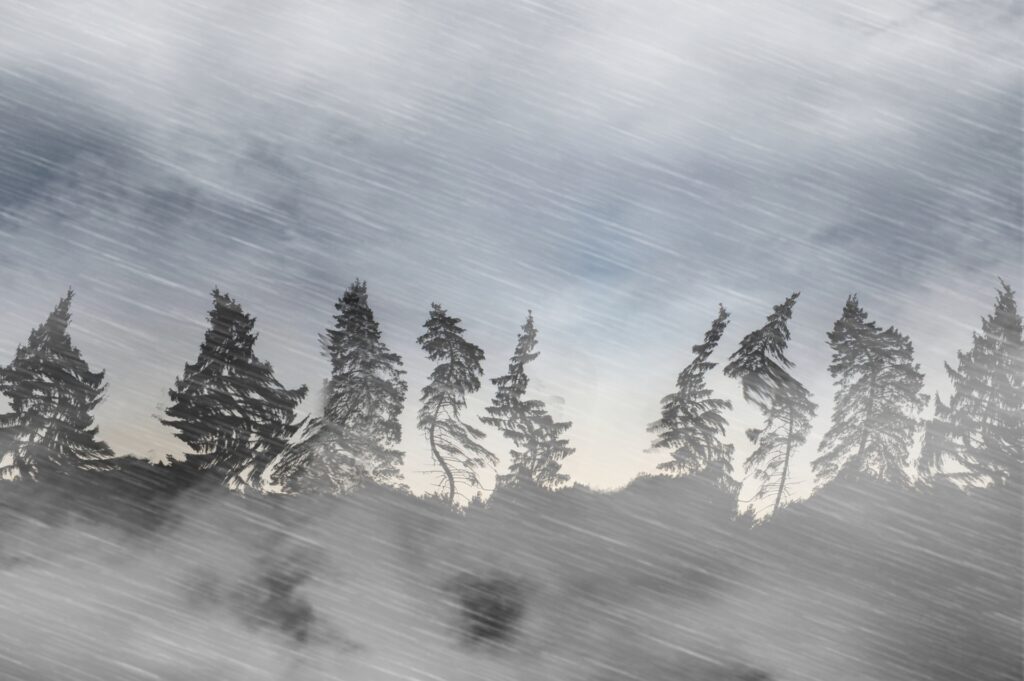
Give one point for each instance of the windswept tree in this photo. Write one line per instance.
(52, 393)
(877, 400)
(762, 368)
(539, 444)
(228, 407)
(982, 427)
(354, 441)
(453, 444)
(692, 421)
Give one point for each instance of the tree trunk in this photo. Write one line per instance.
(785, 464)
(440, 459)
(868, 415)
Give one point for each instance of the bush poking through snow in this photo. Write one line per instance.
(489, 607)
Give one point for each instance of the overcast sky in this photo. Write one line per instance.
(618, 167)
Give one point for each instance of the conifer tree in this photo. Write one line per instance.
(878, 396)
(539, 445)
(692, 422)
(353, 442)
(453, 444)
(762, 368)
(982, 427)
(52, 393)
(227, 406)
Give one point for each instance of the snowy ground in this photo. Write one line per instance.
(654, 582)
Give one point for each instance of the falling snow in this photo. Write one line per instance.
(617, 170)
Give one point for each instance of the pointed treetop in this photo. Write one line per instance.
(877, 399)
(527, 423)
(454, 444)
(356, 294)
(713, 335)
(354, 441)
(760, 362)
(227, 406)
(59, 319)
(692, 421)
(52, 392)
(982, 426)
(527, 341)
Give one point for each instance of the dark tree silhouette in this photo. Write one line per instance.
(540, 447)
(353, 442)
(878, 396)
(52, 393)
(982, 427)
(761, 366)
(692, 423)
(228, 407)
(453, 444)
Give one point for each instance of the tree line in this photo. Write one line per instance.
(241, 427)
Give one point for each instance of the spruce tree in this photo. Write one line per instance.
(878, 396)
(52, 393)
(453, 444)
(353, 442)
(539, 445)
(762, 368)
(982, 427)
(692, 422)
(227, 406)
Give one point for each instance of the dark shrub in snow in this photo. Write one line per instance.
(489, 607)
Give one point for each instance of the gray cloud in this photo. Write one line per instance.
(618, 167)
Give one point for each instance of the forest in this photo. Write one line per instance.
(279, 546)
